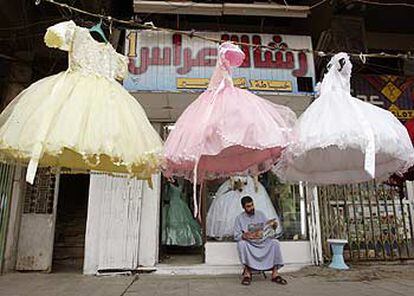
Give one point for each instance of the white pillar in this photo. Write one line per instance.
(302, 206)
(410, 196)
(150, 219)
(315, 237)
(150, 223)
(12, 239)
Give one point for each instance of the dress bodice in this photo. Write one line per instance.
(174, 192)
(86, 54)
(229, 55)
(338, 77)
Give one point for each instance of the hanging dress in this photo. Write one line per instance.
(341, 139)
(227, 130)
(181, 229)
(80, 119)
(226, 206)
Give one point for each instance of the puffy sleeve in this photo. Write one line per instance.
(60, 35)
(122, 67)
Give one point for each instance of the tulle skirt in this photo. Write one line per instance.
(81, 122)
(335, 136)
(228, 132)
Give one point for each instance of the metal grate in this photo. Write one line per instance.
(375, 218)
(6, 183)
(39, 196)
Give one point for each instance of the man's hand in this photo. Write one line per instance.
(272, 223)
(252, 235)
(246, 235)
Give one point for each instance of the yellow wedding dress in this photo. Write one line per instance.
(81, 119)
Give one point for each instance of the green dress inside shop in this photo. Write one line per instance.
(179, 226)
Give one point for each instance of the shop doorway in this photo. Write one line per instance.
(69, 243)
(181, 235)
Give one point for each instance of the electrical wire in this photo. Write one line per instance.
(192, 34)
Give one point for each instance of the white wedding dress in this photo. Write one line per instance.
(341, 139)
(227, 206)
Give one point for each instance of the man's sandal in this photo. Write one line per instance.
(279, 280)
(246, 280)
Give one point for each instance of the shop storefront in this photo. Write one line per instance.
(167, 72)
(123, 224)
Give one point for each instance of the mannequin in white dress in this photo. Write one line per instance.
(226, 206)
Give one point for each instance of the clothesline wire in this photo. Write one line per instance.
(192, 34)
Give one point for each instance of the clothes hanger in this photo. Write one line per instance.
(342, 63)
(174, 183)
(98, 29)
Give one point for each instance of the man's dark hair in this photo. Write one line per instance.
(245, 200)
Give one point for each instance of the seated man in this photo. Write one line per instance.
(255, 251)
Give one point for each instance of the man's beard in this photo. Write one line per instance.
(251, 212)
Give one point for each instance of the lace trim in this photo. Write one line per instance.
(260, 146)
(292, 152)
(343, 142)
(87, 72)
(186, 156)
(148, 162)
(254, 170)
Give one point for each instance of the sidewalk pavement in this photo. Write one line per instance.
(378, 280)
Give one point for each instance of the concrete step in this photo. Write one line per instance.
(207, 269)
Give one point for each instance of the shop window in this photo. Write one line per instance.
(286, 202)
(277, 200)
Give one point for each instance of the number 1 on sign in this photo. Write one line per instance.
(132, 49)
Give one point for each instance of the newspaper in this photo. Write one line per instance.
(263, 230)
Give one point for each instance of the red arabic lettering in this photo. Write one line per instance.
(303, 66)
(131, 66)
(188, 62)
(225, 37)
(157, 60)
(177, 43)
(284, 59)
(246, 49)
(280, 59)
(143, 67)
(154, 60)
(257, 54)
(201, 59)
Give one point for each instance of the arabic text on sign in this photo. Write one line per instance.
(271, 85)
(202, 83)
(184, 59)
